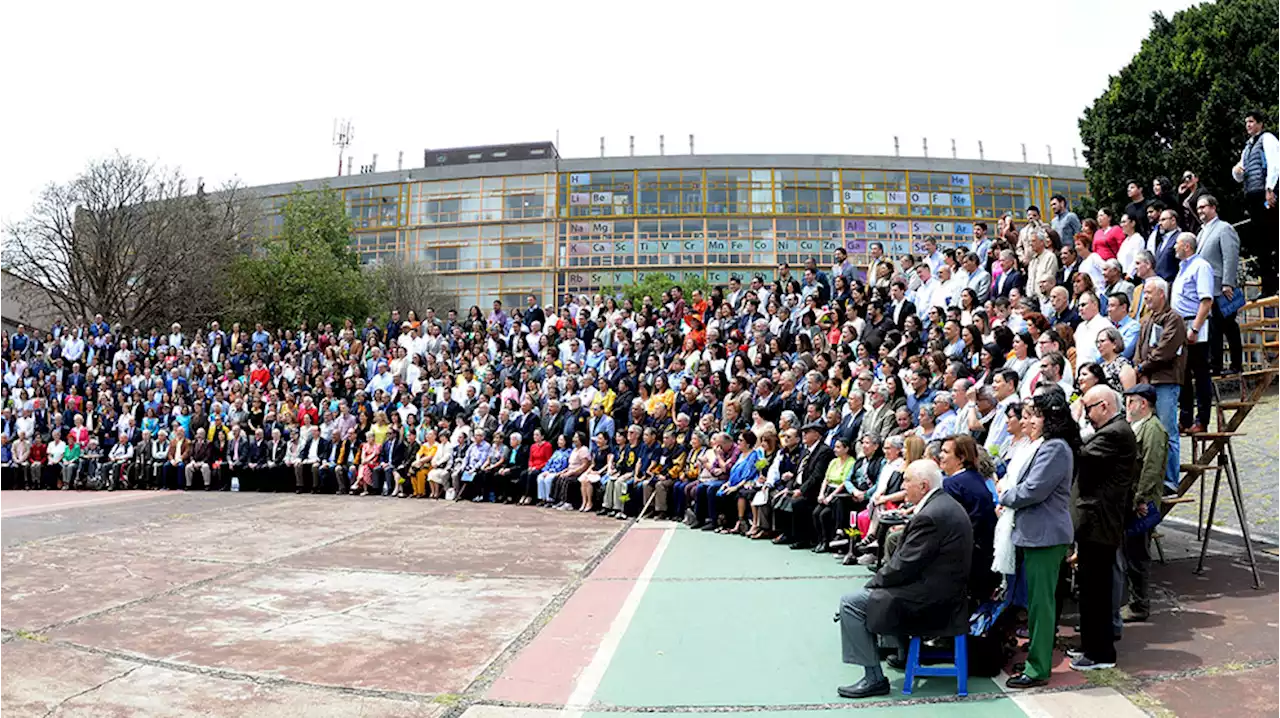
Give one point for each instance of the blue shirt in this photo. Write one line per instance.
(1129, 329)
(744, 469)
(1193, 284)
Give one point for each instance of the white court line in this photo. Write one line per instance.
(585, 687)
(41, 508)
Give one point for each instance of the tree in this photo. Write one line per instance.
(309, 272)
(408, 285)
(654, 284)
(132, 241)
(1180, 104)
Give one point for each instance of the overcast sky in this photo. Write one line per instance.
(251, 89)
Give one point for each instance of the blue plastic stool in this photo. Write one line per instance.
(959, 668)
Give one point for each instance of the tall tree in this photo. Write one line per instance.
(309, 272)
(132, 241)
(1180, 104)
(409, 286)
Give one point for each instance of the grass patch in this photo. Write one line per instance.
(1150, 705)
(447, 699)
(1109, 677)
(29, 636)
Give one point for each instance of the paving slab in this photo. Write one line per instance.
(1084, 703)
(477, 549)
(46, 584)
(39, 677)
(1241, 693)
(370, 630)
(1205, 621)
(95, 518)
(251, 535)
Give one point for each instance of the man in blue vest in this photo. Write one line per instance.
(1259, 172)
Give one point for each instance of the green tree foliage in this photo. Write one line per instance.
(654, 284)
(309, 272)
(1180, 103)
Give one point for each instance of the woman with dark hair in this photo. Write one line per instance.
(991, 360)
(1109, 237)
(972, 337)
(1042, 530)
(968, 305)
(958, 459)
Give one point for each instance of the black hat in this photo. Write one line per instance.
(817, 426)
(1146, 391)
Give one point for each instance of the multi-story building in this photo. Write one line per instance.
(501, 222)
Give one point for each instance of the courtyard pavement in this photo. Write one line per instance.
(175, 604)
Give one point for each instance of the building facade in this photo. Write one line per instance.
(496, 228)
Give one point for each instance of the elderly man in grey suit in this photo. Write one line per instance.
(1219, 245)
(920, 591)
(979, 278)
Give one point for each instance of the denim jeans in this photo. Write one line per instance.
(1167, 412)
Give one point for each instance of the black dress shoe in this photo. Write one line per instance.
(782, 539)
(896, 662)
(708, 526)
(865, 689)
(821, 547)
(801, 546)
(1022, 680)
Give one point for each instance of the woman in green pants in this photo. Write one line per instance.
(1042, 528)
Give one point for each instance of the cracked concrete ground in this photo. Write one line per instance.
(199, 604)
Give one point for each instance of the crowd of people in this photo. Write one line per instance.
(1043, 369)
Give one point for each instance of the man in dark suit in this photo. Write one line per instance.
(1069, 264)
(237, 456)
(804, 491)
(553, 421)
(1010, 277)
(899, 307)
(533, 313)
(1105, 474)
(336, 467)
(526, 421)
(390, 456)
(920, 591)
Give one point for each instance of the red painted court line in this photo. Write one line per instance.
(25, 503)
(629, 556)
(547, 670)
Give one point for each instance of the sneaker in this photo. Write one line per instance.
(867, 559)
(1128, 615)
(1084, 663)
(1075, 653)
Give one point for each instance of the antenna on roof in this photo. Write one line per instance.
(926, 146)
(1049, 150)
(981, 155)
(343, 134)
(953, 148)
(1074, 160)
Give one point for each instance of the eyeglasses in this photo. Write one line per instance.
(1089, 407)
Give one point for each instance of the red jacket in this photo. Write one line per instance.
(539, 454)
(260, 376)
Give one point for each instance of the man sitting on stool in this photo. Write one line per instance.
(920, 591)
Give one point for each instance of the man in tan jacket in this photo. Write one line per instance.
(1160, 360)
(176, 461)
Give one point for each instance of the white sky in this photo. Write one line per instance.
(251, 89)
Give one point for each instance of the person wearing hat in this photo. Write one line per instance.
(798, 531)
(1153, 442)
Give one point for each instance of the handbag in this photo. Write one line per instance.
(1142, 524)
(1229, 307)
(468, 477)
(761, 498)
